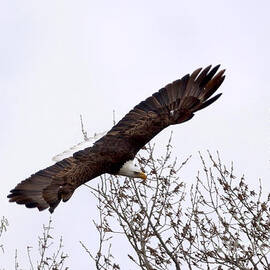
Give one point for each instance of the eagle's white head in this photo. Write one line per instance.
(130, 169)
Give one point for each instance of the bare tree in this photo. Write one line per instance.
(47, 260)
(3, 228)
(219, 224)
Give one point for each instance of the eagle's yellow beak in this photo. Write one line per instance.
(142, 175)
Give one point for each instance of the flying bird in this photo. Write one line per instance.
(115, 151)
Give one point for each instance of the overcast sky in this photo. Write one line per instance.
(59, 59)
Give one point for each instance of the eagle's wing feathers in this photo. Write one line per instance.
(173, 104)
(48, 187)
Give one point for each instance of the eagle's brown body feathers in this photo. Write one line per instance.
(173, 104)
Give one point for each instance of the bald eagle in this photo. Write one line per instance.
(115, 151)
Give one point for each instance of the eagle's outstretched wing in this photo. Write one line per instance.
(46, 188)
(173, 104)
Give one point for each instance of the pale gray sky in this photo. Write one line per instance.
(63, 58)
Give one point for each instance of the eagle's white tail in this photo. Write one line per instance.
(80, 146)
